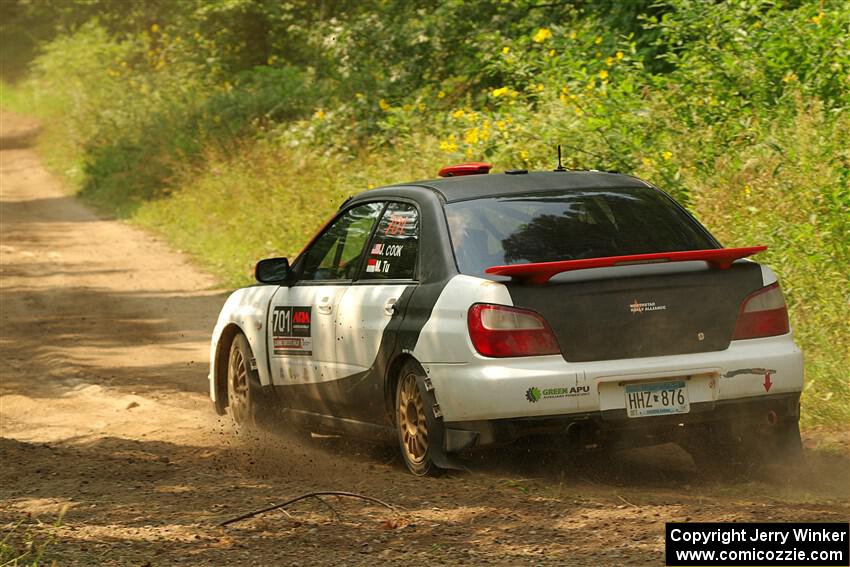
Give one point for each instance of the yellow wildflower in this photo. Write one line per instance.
(816, 20)
(579, 111)
(648, 161)
(506, 50)
(385, 106)
(609, 61)
(620, 55)
(449, 144)
(471, 136)
(500, 92)
(370, 186)
(458, 113)
(523, 155)
(573, 34)
(407, 107)
(485, 131)
(540, 88)
(551, 53)
(789, 77)
(469, 153)
(359, 96)
(747, 191)
(603, 74)
(666, 155)
(441, 94)
(501, 125)
(598, 40)
(421, 107)
(154, 28)
(319, 114)
(542, 35)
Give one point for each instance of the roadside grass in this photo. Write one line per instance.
(27, 542)
(791, 193)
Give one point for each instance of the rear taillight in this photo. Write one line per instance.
(763, 314)
(500, 331)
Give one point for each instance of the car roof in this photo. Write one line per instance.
(501, 184)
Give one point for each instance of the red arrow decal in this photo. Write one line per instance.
(767, 382)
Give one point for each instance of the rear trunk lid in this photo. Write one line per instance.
(640, 311)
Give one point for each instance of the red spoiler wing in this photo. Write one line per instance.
(539, 273)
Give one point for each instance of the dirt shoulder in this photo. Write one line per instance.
(105, 423)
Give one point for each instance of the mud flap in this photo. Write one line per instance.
(436, 429)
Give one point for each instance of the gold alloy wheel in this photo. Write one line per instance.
(237, 377)
(411, 420)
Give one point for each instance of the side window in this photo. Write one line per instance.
(337, 252)
(393, 251)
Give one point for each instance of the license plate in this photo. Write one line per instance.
(657, 398)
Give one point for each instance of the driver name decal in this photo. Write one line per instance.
(291, 331)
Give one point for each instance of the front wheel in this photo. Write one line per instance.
(240, 374)
(412, 424)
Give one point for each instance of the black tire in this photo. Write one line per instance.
(241, 380)
(414, 436)
(719, 454)
(785, 446)
(728, 452)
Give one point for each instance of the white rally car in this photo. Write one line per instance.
(479, 308)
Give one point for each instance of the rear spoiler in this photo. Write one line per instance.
(542, 272)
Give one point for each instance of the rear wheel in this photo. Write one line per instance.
(725, 451)
(412, 424)
(240, 400)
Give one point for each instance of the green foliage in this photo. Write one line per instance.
(216, 122)
(27, 542)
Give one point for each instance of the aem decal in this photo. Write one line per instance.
(291, 331)
(535, 394)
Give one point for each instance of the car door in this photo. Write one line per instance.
(371, 309)
(302, 316)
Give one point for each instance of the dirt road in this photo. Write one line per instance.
(111, 453)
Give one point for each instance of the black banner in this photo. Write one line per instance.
(761, 544)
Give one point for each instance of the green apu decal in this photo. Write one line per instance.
(535, 394)
(532, 394)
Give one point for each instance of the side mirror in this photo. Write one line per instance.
(272, 270)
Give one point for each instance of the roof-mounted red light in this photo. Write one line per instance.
(461, 169)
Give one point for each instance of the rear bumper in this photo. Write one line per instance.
(497, 389)
(588, 428)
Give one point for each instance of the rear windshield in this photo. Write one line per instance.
(569, 225)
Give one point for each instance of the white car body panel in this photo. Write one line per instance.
(246, 308)
(486, 388)
(471, 387)
(360, 322)
(322, 364)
